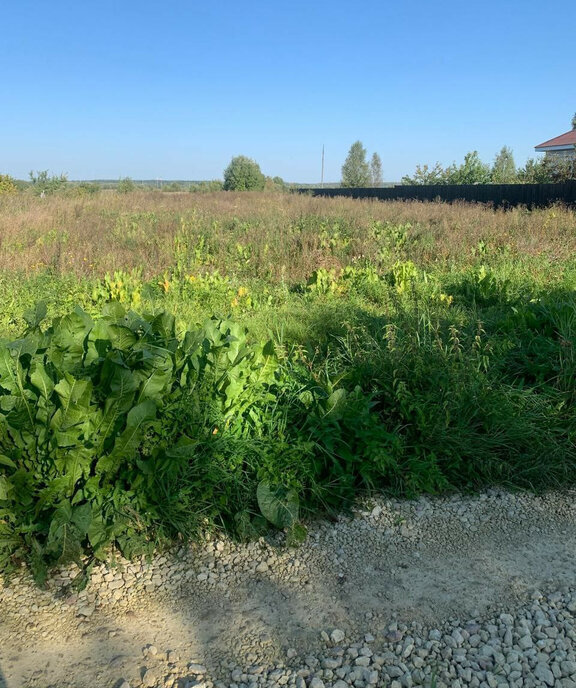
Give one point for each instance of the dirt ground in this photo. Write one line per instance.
(421, 562)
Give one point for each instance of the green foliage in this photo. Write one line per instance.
(7, 184)
(548, 170)
(356, 170)
(87, 189)
(416, 349)
(425, 175)
(560, 169)
(91, 438)
(42, 183)
(206, 187)
(534, 172)
(376, 170)
(504, 169)
(275, 184)
(125, 185)
(243, 174)
(278, 505)
(124, 287)
(471, 171)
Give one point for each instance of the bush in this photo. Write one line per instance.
(44, 184)
(243, 174)
(7, 184)
(99, 422)
(206, 187)
(126, 185)
(117, 433)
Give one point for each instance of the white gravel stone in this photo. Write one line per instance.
(337, 636)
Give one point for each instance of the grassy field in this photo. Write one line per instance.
(334, 346)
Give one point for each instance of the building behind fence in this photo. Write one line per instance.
(531, 195)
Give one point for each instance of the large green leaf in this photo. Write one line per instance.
(40, 379)
(8, 377)
(278, 505)
(164, 325)
(73, 418)
(66, 350)
(35, 316)
(122, 338)
(155, 374)
(5, 487)
(21, 347)
(336, 403)
(119, 383)
(64, 537)
(82, 517)
(128, 442)
(6, 461)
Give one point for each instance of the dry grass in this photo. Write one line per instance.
(276, 236)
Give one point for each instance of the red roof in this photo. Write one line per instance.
(567, 139)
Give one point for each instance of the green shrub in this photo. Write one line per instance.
(7, 184)
(94, 423)
(42, 183)
(117, 433)
(243, 174)
(125, 185)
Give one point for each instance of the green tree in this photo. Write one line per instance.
(574, 121)
(534, 172)
(424, 175)
(376, 170)
(504, 169)
(471, 171)
(44, 184)
(275, 184)
(243, 174)
(355, 170)
(126, 185)
(560, 169)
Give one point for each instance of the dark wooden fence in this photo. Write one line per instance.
(531, 195)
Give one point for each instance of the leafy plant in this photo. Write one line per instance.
(85, 456)
(125, 185)
(278, 505)
(243, 174)
(42, 183)
(7, 184)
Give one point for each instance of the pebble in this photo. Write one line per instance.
(337, 636)
(531, 645)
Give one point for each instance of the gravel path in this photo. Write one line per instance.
(461, 591)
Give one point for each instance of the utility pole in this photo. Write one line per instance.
(322, 177)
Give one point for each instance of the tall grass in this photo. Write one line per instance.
(272, 236)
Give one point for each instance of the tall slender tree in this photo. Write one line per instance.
(355, 170)
(376, 170)
(504, 168)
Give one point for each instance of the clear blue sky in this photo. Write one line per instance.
(175, 89)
